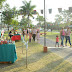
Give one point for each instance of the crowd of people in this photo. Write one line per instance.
(35, 35)
(64, 34)
(32, 33)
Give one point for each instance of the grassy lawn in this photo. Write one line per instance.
(38, 61)
(51, 35)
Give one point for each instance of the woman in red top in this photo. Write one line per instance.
(57, 41)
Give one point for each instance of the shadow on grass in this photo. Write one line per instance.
(4, 65)
(22, 62)
(69, 55)
(55, 66)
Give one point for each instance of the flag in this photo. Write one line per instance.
(50, 11)
(70, 9)
(41, 11)
(34, 11)
(60, 10)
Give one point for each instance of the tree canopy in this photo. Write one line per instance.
(27, 8)
(9, 14)
(1, 1)
(64, 16)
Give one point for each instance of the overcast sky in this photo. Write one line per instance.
(54, 4)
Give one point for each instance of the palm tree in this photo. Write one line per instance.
(27, 9)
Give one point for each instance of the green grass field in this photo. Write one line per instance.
(38, 61)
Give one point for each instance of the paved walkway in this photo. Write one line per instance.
(65, 52)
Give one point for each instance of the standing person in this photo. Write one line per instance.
(23, 33)
(34, 31)
(27, 32)
(62, 34)
(51, 29)
(30, 36)
(57, 41)
(65, 36)
(38, 36)
(30, 30)
(68, 32)
(38, 30)
(10, 34)
(2, 32)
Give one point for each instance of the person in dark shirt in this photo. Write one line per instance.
(23, 33)
(10, 34)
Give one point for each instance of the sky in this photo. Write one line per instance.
(49, 4)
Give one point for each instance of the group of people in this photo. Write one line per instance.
(64, 34)
(10, 34)
(32, 33)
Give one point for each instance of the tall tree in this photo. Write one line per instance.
(27, 9)
(40, 19)
(15, 24)
(58, 19)
(64, 16)
(8, 14)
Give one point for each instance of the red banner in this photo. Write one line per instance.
(16, 37)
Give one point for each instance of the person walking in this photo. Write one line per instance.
(38, 36)
(10, 34)
(57, 41)
(27, 32)
(68, 32)
(62, 34)
(34, 31)
(30, 36)
(23, 33)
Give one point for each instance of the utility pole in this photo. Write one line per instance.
(45, 48)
